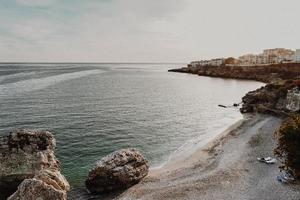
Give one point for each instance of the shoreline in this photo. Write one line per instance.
(226, 168)
(176, 162)
(172, 164)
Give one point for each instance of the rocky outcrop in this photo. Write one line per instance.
(293, 99)
(266, 73)
(190, 70)
(116, 171)
(25, 154)
(274, 98)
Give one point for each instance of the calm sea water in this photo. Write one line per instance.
(94, 109)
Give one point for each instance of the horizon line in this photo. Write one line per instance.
(93, 62)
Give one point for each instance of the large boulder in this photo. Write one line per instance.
(117, 171)
(23, 155)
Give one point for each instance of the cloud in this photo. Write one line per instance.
(142, 30)
(33, 29)
(38, 3)
(152, 9)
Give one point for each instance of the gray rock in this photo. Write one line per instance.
(54, 178)
(47, 184)
(293, 100)
(23, 154)
(37, 190)
(116, 171)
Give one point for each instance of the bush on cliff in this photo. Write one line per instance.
(288, 137)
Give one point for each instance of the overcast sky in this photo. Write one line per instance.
(144, 30)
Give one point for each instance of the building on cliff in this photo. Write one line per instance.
(212, 62)
(297, 56)
(269, 56)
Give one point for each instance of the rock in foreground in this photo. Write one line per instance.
(119, 170)
(37, 189)
(25, 154)
(46, 185)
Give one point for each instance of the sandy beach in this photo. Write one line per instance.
(227, 169)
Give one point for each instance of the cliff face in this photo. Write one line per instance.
(274, 98)
(260, 73)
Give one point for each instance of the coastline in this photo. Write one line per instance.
(226, 168)
(266, 73)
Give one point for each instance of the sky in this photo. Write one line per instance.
(144, 30)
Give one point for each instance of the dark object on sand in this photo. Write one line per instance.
(267, 160)
(285, 178)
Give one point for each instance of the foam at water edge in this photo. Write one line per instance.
(40, 83)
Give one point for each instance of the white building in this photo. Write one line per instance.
(278, 55)
(248, 59)
(217, 62)
(212, 62)
(297, 55)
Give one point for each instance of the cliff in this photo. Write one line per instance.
(267, 73)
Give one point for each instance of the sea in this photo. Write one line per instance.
(94, 109)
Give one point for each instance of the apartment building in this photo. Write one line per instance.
(269, 56)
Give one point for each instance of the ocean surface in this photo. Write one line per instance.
(95, 109)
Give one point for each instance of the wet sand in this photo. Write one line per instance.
(227, 169)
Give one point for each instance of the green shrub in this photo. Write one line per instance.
(288, 148)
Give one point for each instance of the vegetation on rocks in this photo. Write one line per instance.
(288, 137)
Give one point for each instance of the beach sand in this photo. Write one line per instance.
(226, 168)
